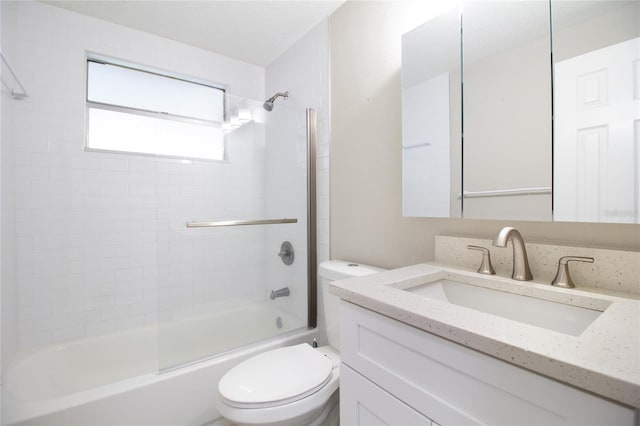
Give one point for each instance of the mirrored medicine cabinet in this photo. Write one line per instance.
(523, 110)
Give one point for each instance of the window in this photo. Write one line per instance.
(145, 112)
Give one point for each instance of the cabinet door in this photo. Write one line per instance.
(364, 403)
(455, 385)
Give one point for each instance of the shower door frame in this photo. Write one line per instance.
(312, 257)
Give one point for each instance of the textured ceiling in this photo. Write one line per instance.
(256, 32)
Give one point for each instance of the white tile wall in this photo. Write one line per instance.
(100, 238)
(200, 269)
(303, 70)
(9, 303)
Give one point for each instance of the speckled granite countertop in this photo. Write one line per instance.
(604, 359)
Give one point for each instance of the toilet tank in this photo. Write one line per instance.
(337, 270)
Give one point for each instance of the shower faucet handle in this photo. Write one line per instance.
(485, 267)
(287, 253)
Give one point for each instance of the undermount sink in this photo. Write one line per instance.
(551, 315)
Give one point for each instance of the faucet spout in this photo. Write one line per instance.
(279, 293)
(521, 271)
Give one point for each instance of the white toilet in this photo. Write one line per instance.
(294, 385)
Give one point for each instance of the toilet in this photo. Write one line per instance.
(294, 385)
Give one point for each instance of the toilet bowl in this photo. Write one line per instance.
(294, 385)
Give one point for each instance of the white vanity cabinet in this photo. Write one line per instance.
(393, 373)
(365, 403)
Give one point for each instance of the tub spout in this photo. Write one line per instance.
(279, 293)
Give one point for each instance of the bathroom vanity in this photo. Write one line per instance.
(419, 345)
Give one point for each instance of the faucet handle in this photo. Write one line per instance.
(563, 278)
(485, 267)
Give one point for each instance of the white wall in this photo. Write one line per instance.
(507, 126)
(366, 177)
(101, 241)
(303, 70)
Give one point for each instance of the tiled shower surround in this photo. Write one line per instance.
(101, 243)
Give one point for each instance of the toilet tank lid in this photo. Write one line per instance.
(339, 269)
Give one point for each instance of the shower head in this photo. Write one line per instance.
(268, 104)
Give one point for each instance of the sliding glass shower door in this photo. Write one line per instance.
(233, 237)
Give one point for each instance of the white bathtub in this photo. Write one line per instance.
(113, 379)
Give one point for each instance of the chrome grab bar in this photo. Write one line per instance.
(239, 223)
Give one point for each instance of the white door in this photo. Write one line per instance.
(596, 149)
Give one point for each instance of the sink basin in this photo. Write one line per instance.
(561, 317)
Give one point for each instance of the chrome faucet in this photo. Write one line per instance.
(521, 271)
(279, 293)
(563, 278)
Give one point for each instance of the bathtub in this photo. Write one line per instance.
(114, 379)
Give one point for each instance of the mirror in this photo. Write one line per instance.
(512, 149)
(431, 118)
(506, 56)
(596, 54)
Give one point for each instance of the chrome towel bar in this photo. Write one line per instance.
(239, 223)
(416, 145)
(507, 192)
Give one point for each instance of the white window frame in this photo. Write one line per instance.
(92, 57)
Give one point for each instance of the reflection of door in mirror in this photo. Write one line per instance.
(597, 112)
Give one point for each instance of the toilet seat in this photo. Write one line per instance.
(277, 377)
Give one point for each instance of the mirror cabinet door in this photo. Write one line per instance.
(506, 51)
(486, 135)
(431, 118)
(596, 53)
